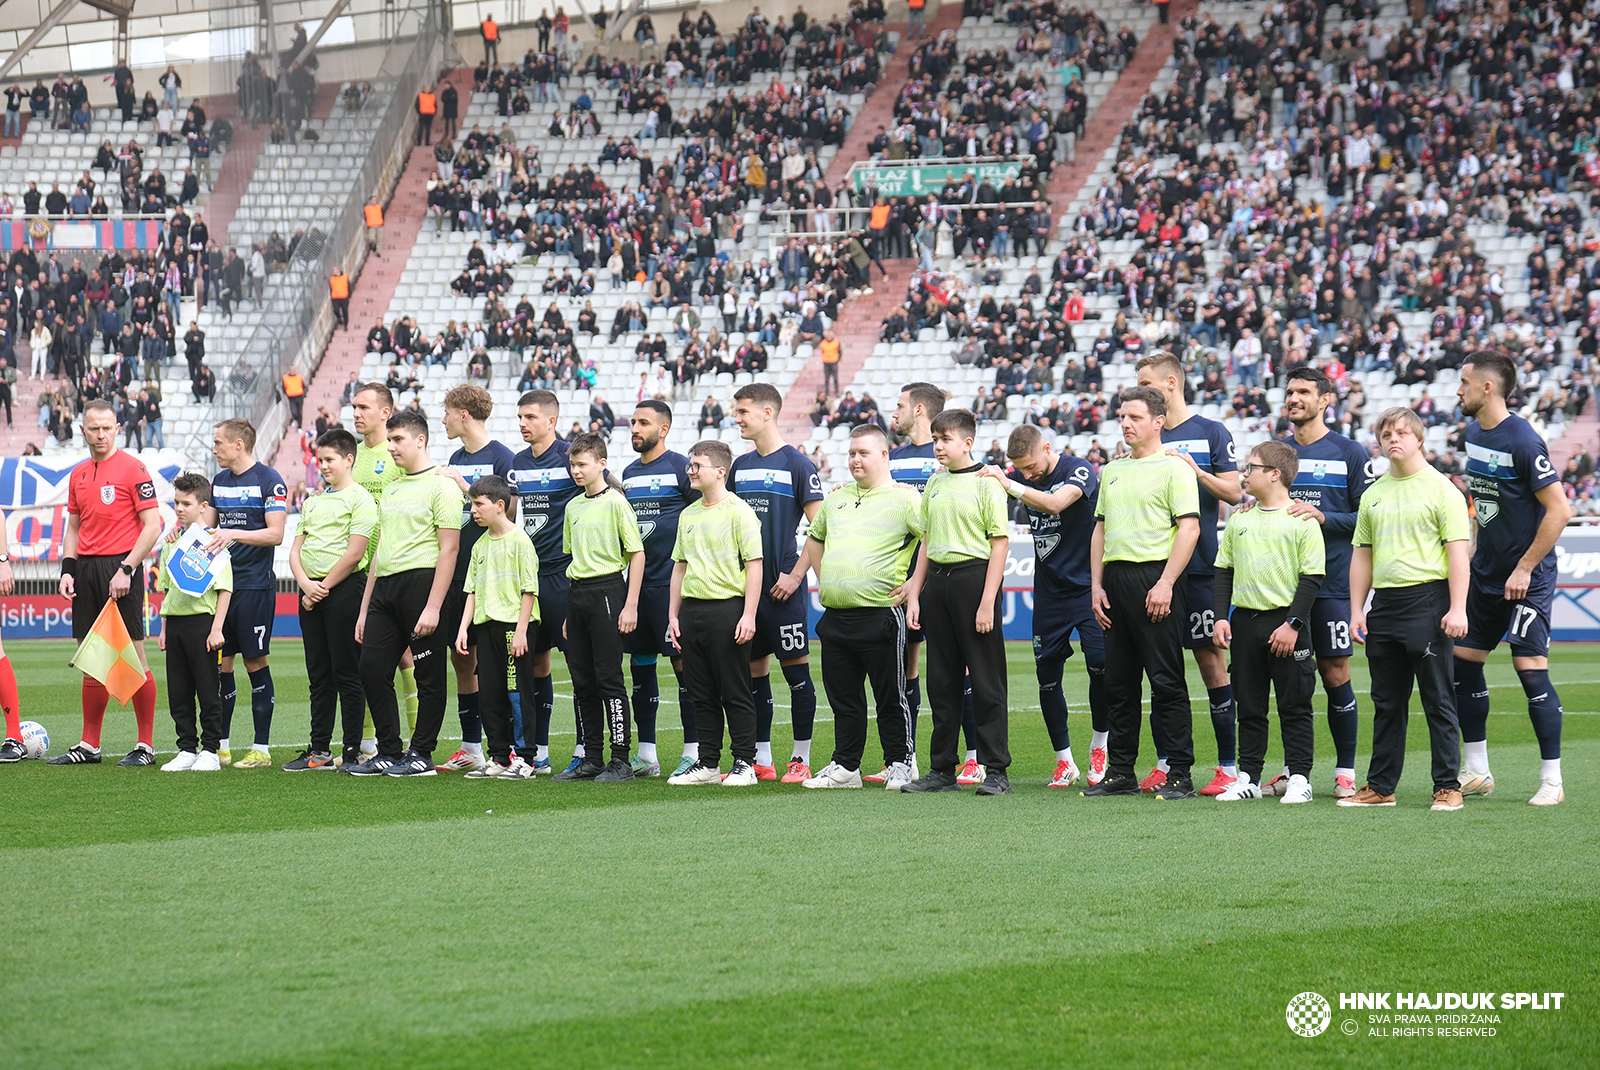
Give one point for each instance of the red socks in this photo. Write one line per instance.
(8, 699)
(144, 711)
(95, 697)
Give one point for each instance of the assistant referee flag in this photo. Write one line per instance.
(108, 654)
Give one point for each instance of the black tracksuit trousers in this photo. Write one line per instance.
(493, 638)
(594, 659)
(949, 607)
(191, 674)
(858, 645)
(397, 601)
(1137, 646)
(716, 673)
(1256, 673)
(333, 668)
(1406, 643)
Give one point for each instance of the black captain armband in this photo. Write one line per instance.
(69, 566)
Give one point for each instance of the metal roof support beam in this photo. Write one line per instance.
(326, 24)
(50, 22)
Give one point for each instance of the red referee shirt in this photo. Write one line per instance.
(107, 497)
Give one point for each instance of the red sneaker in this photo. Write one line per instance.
(1154, 782)
(798, 771)
(766, 772)
(971, 773)
(1219, 783)
(1097, 765)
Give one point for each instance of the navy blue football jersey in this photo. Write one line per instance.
(1211, 446)
(912, 465)
(1506, 468)
(777, 487)
(1334, 473)
(658, 492)
(493, 460)
(242, 503)
(1061, 540)
(544, 486)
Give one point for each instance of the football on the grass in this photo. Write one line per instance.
(35, 740)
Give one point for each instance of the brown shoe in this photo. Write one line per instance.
(1447, 799)
(1367, 797)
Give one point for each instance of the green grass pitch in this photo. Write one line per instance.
(255, 919)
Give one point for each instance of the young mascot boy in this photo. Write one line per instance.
(191, 634)
(329, 558)
(502, 588)
(711, 615)
(954, 596)
(1269, 567)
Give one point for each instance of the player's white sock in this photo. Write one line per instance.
(1475, 756)
(579, 752)
(474, 749)
(1550, 769)
(224, 745)
(1286, 770)
(647, 751)
(1161, 764)
(1230, 769)
(260, 746)
(368, 746)
(1340, 771)
(1097, 740)
(802, 750)
(972, 755)
(764, 753)
(691, 750)
(1064, 754)
(541, 754)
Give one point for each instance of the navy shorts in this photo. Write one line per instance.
(1202, 618)
(1056, 618)
(650, 637)
(781, 628)
(552, 612)
(1330, 628)
(450, 614)
(247, 629)
(1526, 624)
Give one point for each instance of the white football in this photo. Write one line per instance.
(35, 739)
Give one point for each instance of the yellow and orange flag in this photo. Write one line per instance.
(109, 655)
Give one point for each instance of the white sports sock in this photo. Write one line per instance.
(1097, 740)
(1231, 769)
(1286, 770)
(224, 745)
(1064, 754)
(764, 753)
(647, 751)
(1550, 769)
(368, 746)
(541, 754)
(579, 752)
(972, 755)
(85, 745)
(691, 750)
(802, 750)
(1475, 756)
(474, 749)
(1161, 764)
(262, 747)
(1339, 771)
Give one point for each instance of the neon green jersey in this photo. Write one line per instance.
(600, 533)
(413, 509)
(1406, 523)
(1141, 501)
(868, 537)
(328, 521)
(714, 543)
(375, 468)
(961, 512)
(503, 568)
(1269, 551)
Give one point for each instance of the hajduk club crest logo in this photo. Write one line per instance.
(1309, 1014)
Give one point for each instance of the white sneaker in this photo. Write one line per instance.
(517, 770)
(1475, 783)
(184, 760)
(897, 776)
(1297, 791)
(697, 774)
(1241, 788)
(1549, 794)
(742, 775)
(834, 775)
(206, 761)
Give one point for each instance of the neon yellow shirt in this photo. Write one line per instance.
(714, 543)
(1268, 551)
(600, 533)
(961, 512)
(868, 537)
(328, 521)
(503, 568)
(1406, 523)
(412, 511)
(1141, 501)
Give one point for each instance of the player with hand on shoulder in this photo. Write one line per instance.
(1411, 554)
(191, 635)
(329, 559)
(711, 615)
(502, 590)
(1269, 569)
(1060, 495)
(860, 543)
(1521, 511)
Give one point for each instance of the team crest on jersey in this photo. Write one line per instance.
(1319, 470)
(1046, 545)
(108, 494)
(655, 484)
(544, 477)
(768, 481)
(1487, 511)
(377, 467)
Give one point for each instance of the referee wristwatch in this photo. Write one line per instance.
(5, 558)
(127, 569)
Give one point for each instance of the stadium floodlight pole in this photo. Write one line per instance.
(50, 22)
(322, 28)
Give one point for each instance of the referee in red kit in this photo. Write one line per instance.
(112, 524)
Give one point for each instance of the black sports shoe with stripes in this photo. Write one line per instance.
(77, 754)
(373, 766)
(12, 751)
(1112, 785)
(139, 755)
(412, 763)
